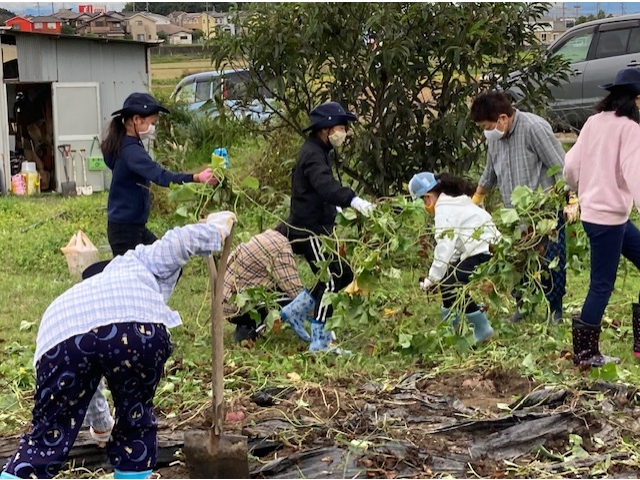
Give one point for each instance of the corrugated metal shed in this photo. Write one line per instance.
(121, 67)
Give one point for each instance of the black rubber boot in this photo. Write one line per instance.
(245, 332)
(635, 309)
(586, 352)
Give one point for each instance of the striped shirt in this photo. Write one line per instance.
(523, 157)
(134, 287)
(266, 260)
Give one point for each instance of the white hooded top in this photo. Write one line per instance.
(462, 230)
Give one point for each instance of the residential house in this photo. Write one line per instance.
(142, 28)
(46, 24)
(18, 22)
(41, 24)
(176, 35)
(103, 25)
(176, 17)
(192, 21)
(68, 17)
(549, 30)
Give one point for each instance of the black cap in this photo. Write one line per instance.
(141, 104)
(329, 115)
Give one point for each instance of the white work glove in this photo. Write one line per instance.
(426, 285)
(223, 221)
(339, 209)
(361, 205)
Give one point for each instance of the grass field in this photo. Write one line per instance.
(385, 391)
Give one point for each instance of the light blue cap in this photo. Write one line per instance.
(421, 184)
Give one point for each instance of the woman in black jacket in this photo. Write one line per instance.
(315, 194)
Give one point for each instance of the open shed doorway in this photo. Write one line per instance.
(31, 130)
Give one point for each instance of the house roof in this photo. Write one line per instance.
(44, 19)
(16, 17)
(66, 14)
(152, 16)
(171, 29)
(192, 16)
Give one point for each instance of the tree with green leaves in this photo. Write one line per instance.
(5, 15)
(408, 70)
(591, 17)
(165, 8)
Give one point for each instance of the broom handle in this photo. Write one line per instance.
(216, 276)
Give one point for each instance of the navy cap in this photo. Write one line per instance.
(141, 104)
(629, 77)
(329, 115)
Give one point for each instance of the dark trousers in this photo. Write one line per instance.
(607, 242)
(131, 356)
(127, 236)
(340, 273)
(458, 275)
(555, 282)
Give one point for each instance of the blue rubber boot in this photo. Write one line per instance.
(321, 340)
(4, 474)
(132, 475)
(447, 315)
(482, 330)
(297, 312)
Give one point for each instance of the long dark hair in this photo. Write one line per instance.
(453, 186)
(111, 143)
(622, 101)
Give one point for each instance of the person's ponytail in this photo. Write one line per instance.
(111, 143)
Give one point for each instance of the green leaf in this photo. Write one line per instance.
(349, 214)
(608, 372)
(24, 325)
(404, 339)
(528, 362)
(521, 196)
(182, 211)
(509, 216)
(251, 183)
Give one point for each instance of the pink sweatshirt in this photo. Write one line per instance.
(603, 165)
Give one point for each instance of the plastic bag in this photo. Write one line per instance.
(80, 252)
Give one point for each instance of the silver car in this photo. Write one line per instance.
(199, 91)
(597, 51)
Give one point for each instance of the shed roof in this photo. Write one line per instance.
(79, 38)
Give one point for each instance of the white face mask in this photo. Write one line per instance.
(148, 133)
(337, 138)
(494, 134)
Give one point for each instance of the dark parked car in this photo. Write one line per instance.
(596, 50)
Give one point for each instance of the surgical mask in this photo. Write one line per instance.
(337, 138)
(494, 134)
(148, 133)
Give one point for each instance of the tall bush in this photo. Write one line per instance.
(408, 70)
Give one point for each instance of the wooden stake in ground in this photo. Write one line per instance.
(210, 454)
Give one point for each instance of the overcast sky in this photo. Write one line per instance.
(46, 7)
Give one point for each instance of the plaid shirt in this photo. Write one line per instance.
(134, 287)
(523, 157)
(266, 260)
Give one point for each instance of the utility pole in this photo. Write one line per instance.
(597, 9)
(564, 18)
(622, 7)
(577, 7)
(147, 7)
